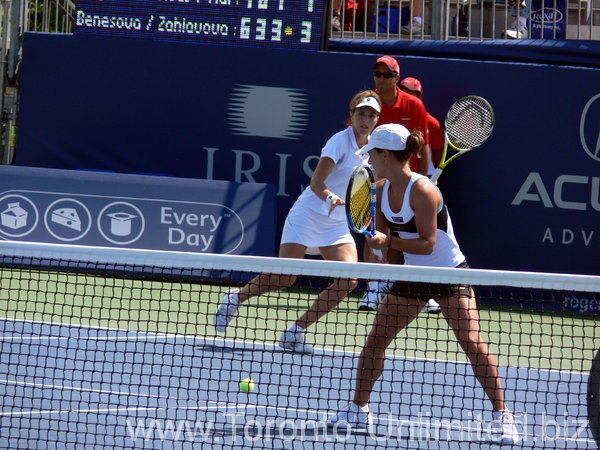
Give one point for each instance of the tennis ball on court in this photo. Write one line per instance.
(247, 385)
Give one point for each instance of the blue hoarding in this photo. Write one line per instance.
(529, 199)
(117, 210)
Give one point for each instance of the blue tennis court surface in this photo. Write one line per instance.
(65, 386)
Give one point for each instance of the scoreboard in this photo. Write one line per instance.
(290, 24)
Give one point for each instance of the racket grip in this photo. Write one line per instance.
(436, 174)
(377, 252)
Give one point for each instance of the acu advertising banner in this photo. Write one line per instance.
(529, 199)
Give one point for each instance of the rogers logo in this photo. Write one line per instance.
(589, 128)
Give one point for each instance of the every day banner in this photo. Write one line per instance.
(136, 211)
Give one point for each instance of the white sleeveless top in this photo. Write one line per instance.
(446, 252)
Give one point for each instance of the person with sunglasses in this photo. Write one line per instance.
(409, 111)
(399, 107)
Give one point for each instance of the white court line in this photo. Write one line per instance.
(113, 410)
(247, 345)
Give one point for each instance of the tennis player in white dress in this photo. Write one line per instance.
(317, 221)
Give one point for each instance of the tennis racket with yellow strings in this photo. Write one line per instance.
(361, 201)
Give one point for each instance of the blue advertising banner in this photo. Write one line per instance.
(529, 199)
(116, 210)
(547, 16)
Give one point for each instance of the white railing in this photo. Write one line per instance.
(465, 19)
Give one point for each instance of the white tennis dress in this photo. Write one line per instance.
(307, 222)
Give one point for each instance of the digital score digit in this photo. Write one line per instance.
(292, 24)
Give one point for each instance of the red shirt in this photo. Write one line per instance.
(408, 111)
(436, 139)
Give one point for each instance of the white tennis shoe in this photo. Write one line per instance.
(226, 310)
(504, 429)
(370, 301)
(374, 295)
(352, 416)
(516, 31)
(293, 341)
(432, 306)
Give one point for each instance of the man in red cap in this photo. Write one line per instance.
(400, 107)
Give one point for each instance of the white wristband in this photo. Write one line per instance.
(330, 197)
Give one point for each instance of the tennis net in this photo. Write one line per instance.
(116, 348)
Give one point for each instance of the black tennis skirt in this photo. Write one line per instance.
(425, 291)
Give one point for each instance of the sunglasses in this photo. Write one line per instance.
(388, 75)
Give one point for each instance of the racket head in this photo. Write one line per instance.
(361, 197)
(469, 123)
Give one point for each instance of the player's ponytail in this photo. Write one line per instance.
(415, 141)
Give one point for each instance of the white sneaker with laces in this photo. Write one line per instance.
(503, 428)
(516, 31)
(413, 27)
(226, 310)
(432, 306)
(293, 341)
(352, 416)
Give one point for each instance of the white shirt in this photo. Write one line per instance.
(341, 148)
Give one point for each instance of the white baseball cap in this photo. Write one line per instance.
(389, 136)
(371, 102)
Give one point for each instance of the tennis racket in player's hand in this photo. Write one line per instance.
(361, 201)
(469, 123)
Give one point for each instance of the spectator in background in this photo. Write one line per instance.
(415, 25)
(354, 15)
(518, 29)
(399, 107)
(414, 87)
(336, 20)
(460, 21)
